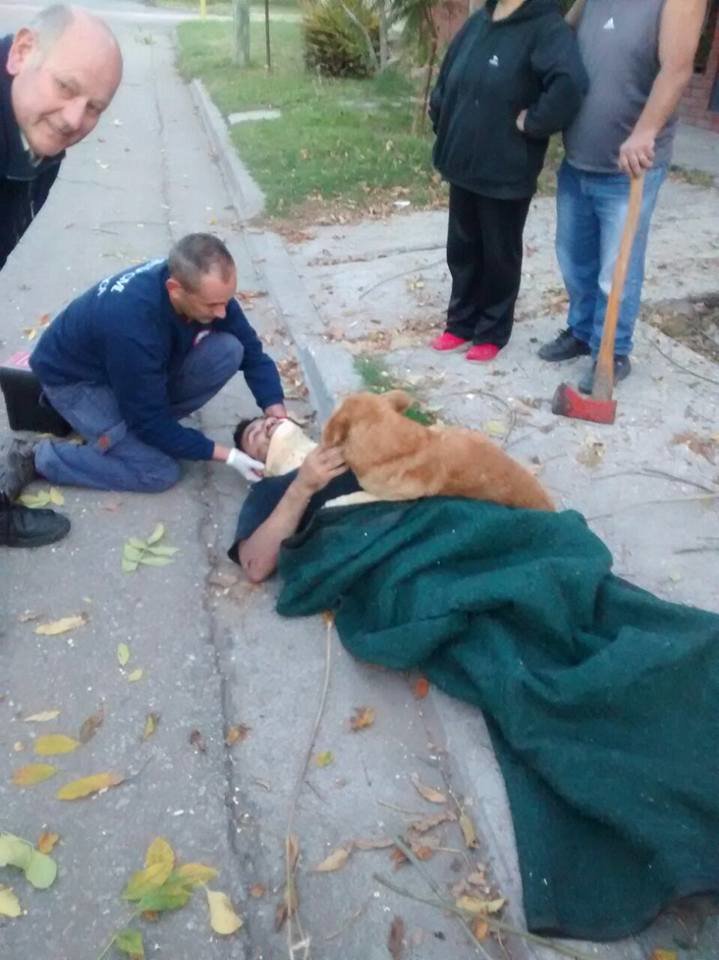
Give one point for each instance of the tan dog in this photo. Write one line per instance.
(395, 458)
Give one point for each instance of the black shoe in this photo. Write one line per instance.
(565, 347)
(622, 369)
(17, 467)
(22, 527)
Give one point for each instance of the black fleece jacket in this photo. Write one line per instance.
(491, 72)
(24, 186)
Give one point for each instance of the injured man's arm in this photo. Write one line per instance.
(258, 553)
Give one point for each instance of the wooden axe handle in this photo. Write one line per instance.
(604, 373)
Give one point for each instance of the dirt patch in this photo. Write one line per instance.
(695, 323)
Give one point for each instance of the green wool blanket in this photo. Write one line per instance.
(602, 700)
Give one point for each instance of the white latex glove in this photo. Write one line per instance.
(251, 470)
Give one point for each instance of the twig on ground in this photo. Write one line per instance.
(303, 942)
(348, 923)
(649, 503)
(680, 366)
(402, 273)
(406, 813)
(653, 472)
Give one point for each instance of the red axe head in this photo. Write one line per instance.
(567, 402)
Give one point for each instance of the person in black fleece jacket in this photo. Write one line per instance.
(511, 77)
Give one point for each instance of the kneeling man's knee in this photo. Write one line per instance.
(160, 475)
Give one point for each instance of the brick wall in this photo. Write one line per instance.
(694, 107)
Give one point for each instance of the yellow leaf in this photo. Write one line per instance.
(479, 907)
(43, 716)
(9, 903)
(54, 744)
(135, 675)
(429, 793)
(64, 625)
(468, 831)
(196, 873)
(335, 861)
(160, 851)
(145, 881)
(151, 722)
(664, 955)
(362, 717)
(324, 759)
(77, 789)
(480, 928)
(46, 841)
(495, 428)
(33, 773)
(123, 654)
(56, 497)
(223, 918)
(237, 733)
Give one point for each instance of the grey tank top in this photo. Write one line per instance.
(619, 43)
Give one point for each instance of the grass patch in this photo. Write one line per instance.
(377, 378)
(338, 139)
(696, 178)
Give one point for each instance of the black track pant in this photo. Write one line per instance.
(484, 256)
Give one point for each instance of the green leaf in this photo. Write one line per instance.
(130, 942)
(14, 851)
(133, 553)
(128, 566)
(144, 881)
(41, 871)
(157, 534)
(123, 654)
(156, 561)
(172, 895)
(163, 551)
(136, 543)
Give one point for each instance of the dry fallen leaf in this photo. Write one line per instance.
(54, 744)
(664, 955)
(9, 903)
(198, 741)
(292, 850)
(398, 858)
(422, 852)
(46, 841)
(429, 793)
(468, 831)
(335, 861)
(237, 734)
(480, 928)
(33, 773)
(223, 918)
(420, 688)
(376, 843)
(433, 820)
(43, 717)
(479, 907)
(363, 717)
(91, 725)
(64, 625)
(287, 907)
(83, 787)
(395, 938)
(257, 890)
(197, 874)
(152, 721)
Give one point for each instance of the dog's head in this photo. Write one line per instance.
(365, 409)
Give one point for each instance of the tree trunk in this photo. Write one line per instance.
(420, 120)
(383, 28)
(268, 51)
(241, 31)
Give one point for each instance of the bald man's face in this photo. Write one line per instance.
(58, 96)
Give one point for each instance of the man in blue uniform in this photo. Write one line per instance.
(57, 76)
(133, 355)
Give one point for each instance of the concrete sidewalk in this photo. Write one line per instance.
(379, 289)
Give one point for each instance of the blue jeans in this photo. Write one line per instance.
(591, 210)
(113, 458)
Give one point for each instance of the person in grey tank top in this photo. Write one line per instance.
(639, 55)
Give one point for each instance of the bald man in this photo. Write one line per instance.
(57, 76)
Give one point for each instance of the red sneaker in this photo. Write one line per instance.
(447, 341)
(481, 352)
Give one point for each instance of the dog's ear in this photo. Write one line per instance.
(337, 427)
(399, 400)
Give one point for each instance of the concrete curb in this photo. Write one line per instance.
(327, 368)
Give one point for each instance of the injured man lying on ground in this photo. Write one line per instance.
(601, 699)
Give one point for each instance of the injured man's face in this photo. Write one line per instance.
(255, 438)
